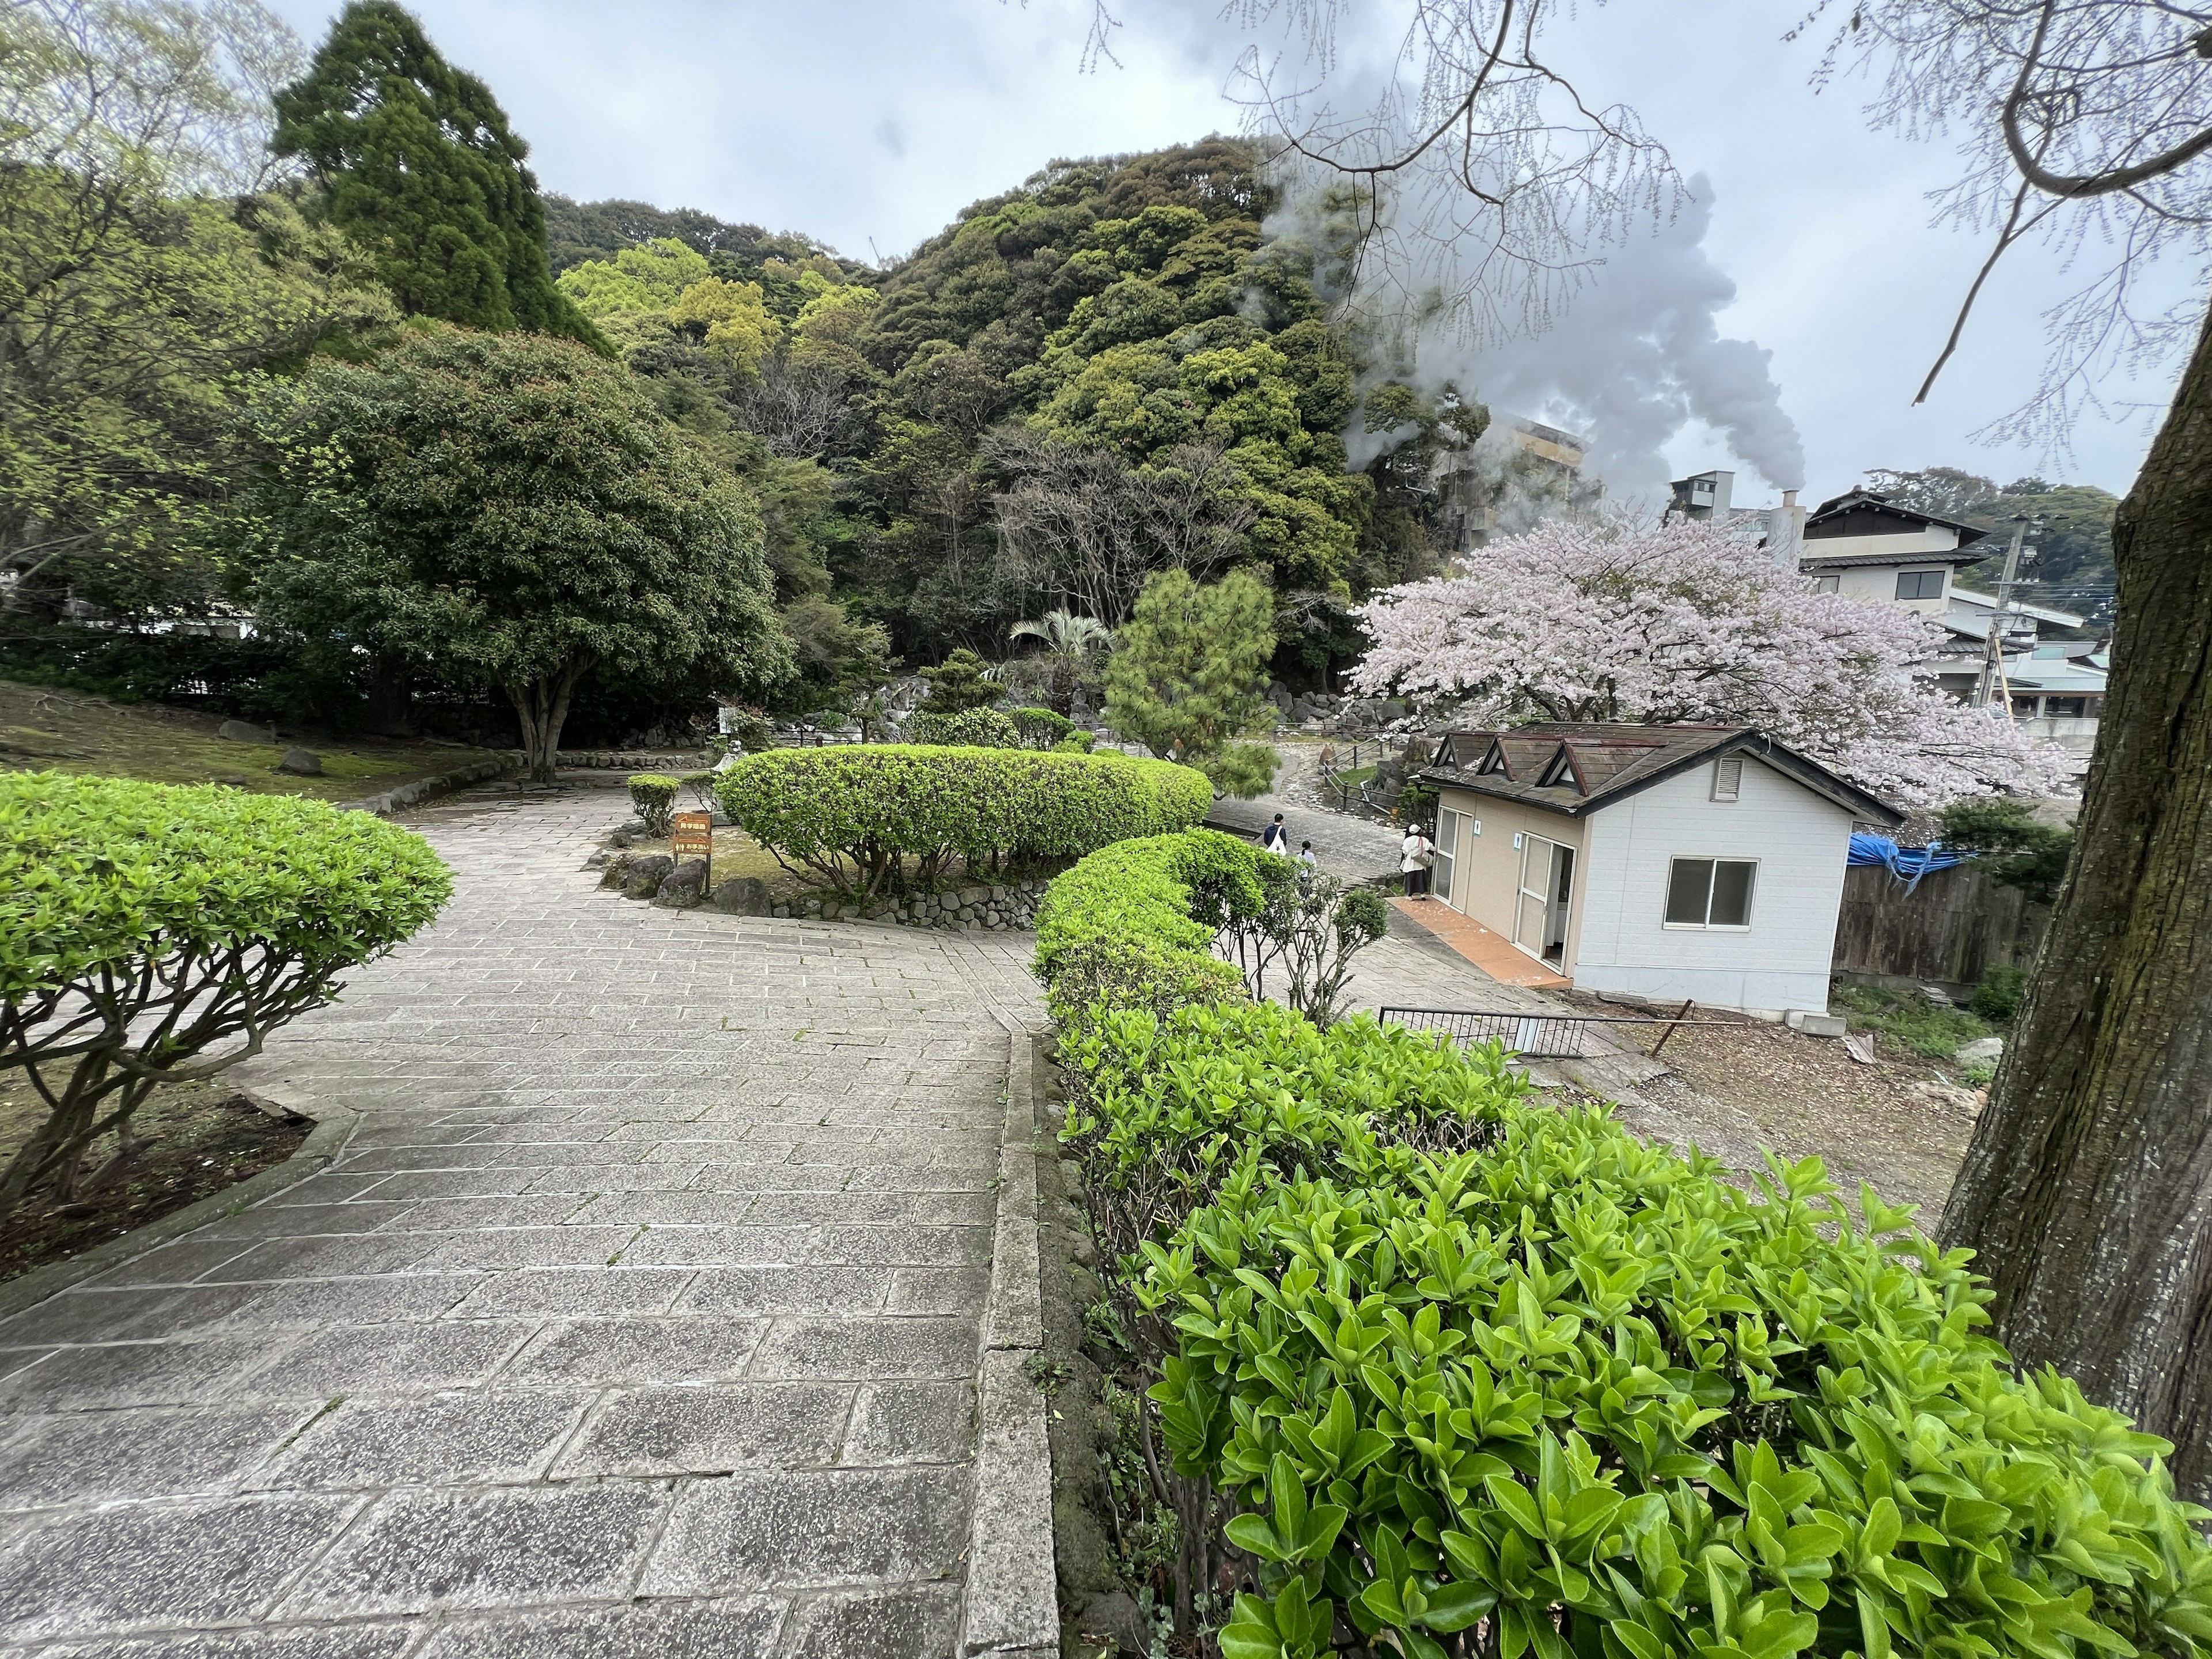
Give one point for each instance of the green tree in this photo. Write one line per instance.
(958, 684)
(145, 284)
(417, 164)
(515, 511)
(1188, 678)
(1070, 643)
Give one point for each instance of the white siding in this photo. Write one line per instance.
(1782, 960)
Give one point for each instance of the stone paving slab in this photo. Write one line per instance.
(640, 1315)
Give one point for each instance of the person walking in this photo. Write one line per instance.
(1275, 838)
(1415, 854)
(1308, 866)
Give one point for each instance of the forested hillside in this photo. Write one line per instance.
(1109, 371)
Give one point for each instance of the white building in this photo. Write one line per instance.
(1858, 543)
(1660, 862)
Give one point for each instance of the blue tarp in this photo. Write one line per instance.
(1907, 864)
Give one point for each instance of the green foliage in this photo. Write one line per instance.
(958, 684)
(149, 932)
(1041, 728)
(419, 169)
(144, 285)
(971, 728)
(1928, 1028)
(2016, 846)
(514, 509)
(1997, 998)
(867, 819)
(1076, 743)
(1592, 1391)
(1189, 677)
(2073, 541)
(1435, 1358)
(653, 794)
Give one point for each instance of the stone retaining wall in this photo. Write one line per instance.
(412, 794)
(634, 760)
(1008, 906)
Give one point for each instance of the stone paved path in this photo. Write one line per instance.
(639, 1317)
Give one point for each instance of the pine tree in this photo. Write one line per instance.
(419, 167)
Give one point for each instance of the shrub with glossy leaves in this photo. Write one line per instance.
(653, 794)
(970, 728)
(1041, 728)
(868, 818)
(150, 933)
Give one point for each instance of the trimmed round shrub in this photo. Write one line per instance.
(152, 932)
(867, 819)
(653, 794)
(971, 728)
(1076, 743)
(1041, 728)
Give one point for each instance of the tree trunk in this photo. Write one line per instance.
(390, 712)
(2088, 1190)
(542, 707)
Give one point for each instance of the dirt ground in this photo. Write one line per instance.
(1900, 1124)
(203, 1137)
(43, 728)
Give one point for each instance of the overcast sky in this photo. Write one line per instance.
(869, 122)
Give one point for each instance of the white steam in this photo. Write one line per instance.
(1637, 356)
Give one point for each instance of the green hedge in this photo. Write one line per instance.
(868, 817)
(971, 728)
(1549, 1390)
(653, 794)
(144, 927)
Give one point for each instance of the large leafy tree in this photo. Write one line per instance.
(515, 511)
(1600, 622)
(145, 282)
(418, 166)
(1188, 678)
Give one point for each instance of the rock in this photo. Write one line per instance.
(742, 896)
(684, 886)
(1988, 1048)
(642, 877)
(1936, 994)
(1115, 1616)
(1812, 1024)
(598, 860)
(616, 870)
(623, 835)
(300, 763)
(241, 732)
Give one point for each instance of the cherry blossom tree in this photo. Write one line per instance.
(1609, 622)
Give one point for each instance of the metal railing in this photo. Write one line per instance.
(1533, 1036)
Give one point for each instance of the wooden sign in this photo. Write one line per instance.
(695, 836)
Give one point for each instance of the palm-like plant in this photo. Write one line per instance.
(1070, 643)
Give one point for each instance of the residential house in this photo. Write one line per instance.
(1861, 544)
(1662, 861)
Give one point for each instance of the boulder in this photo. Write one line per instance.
(683, 886)
(1115, 1617)
(300, 763)
(1982, 1049)
(742, 896)
(642, 878)
(243, 732)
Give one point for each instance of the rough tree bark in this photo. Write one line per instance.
(2087, 1189)
(542, 707)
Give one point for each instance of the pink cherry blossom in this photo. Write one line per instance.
(1608, 622)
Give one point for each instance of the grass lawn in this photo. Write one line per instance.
(43, 728)
(1911, 1021)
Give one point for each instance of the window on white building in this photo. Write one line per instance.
(1826, 584)
(1919, 583)
(1709, 892)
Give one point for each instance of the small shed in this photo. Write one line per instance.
(1658, 861)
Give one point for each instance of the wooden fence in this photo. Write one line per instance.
(1953, 929)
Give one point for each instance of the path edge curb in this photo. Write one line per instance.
(1011, 1610)
(334, 1125)
(502, 764)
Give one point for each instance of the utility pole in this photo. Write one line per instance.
(1993, 652)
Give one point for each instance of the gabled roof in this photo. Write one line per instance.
(1577, 768)
(1865, 512)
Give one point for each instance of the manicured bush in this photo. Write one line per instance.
(1041, 728)
(870, 818)
(150, 933)
(653, 794)
(971, 728)
(1440, 1371)
(1076, 743)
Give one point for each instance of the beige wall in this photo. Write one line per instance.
(1878, 581)
(1487, 868)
